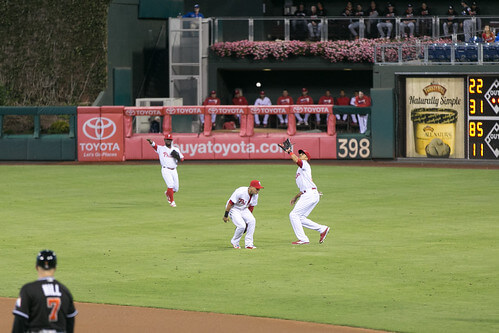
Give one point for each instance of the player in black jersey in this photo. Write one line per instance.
(44, 305)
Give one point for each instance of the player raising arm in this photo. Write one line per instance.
(306, 199)
(169, 157)
(240, 209)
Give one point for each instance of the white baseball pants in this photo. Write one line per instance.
(171, 178)
(299, 214)
(241, 218)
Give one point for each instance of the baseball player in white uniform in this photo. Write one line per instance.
(262, 100)
(169, 157)
(240, 210)
(305, 200)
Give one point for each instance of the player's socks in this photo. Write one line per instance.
(169, 194)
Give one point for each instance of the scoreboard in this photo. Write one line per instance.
(483, 117)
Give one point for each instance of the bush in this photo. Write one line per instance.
(59, 127)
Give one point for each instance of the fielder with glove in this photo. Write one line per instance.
(169, 157)
(306, 200)
(239, 208)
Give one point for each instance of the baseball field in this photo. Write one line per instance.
(410, 250)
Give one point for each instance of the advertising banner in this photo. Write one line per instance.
(100, 134)
(435, 117)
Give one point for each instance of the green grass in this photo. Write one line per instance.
(411, 249)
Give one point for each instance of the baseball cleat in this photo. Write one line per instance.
(169, 201)
(251, 247)
(236, 246)
(299, 242)
(173, 204)
(323, 235)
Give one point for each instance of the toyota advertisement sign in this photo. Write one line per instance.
(100, 134)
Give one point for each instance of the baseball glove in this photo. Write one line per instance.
(175, 155)
(286, 146)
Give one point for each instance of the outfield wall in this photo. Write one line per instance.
(106, 134)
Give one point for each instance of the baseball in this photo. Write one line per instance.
(258, 84)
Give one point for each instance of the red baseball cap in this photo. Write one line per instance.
(304, 89)
(262, 92)
(213, 92)
(256, 184)
(302, 151)
(236, 91)
(168, 137)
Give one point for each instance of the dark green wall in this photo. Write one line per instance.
(36, 146)
(129, 41)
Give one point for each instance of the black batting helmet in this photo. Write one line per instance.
(46, 259)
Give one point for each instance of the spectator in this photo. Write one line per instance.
(303, 99)
(475, 11)
(450, 21)
(239, 99)
(314, 25)
(327, 99)
(211, 100)
(408, 22)
(321, 11)
(373, 20)
(357, 24)
(194, 13)
(467, 23)
(342, 100)
(285, 99)
(262, 100)
(425, 21)
(299, 24)
(352, 102)
(362, 101)
(387, 23)
(343, 32)
(488, 36)
(154, 124)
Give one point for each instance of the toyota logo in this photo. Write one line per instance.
(298, 109)
(99, 128)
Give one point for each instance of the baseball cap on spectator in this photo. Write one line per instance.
(262, 92)
(236, 91)
(213, 92)
(256, 184)
(168, 137)
(302, 151)
(304, 89)
(390, 5)
(409, 5)
(196, 6)
(451, 7)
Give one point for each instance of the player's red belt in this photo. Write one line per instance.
(169, 168)
(313, 188)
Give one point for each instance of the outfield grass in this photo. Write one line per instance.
(411, 249)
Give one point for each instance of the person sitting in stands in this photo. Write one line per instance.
(284, 99)
(359, 12)
(488, 36)
(387, 23)
(303, 99)
(211, 100)
(407, 22)
(262, 100)
(450, 21)
(342, 100)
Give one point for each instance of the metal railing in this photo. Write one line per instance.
(227, 29)
(437, 53)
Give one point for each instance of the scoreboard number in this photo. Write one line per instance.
(353, 148)
(483, 116)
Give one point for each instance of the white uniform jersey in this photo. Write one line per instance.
(264, 101)
(304, 177)
(242, 199)
(165, 157)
